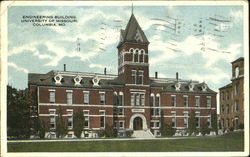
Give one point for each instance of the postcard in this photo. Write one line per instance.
(124, 78)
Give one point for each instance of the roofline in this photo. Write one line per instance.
(239, 59)
(128, 42)
(226, 86)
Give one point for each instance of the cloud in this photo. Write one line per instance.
(13, 65)
(236, 15)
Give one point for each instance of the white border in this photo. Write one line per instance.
(4, 76)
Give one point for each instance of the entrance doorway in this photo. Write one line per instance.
(137, 124)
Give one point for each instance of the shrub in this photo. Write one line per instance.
(204, 129)
(100, 133)
(191, 123)
(41, 129)
(241, 126)
(129, 133)
(231, 129)
(78, 124)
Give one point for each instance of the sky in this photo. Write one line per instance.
(198, 42)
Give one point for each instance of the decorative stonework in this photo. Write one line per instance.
(58, 79)
(77, 80)
(177, 86)
(191, 87)
(95, 81)
(204, 87)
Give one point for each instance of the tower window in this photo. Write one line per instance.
(136, 56)
(140, 79)
(133, 76)
(237, 72)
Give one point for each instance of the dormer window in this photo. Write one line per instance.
(77, 80)
(191, 87)
(204, 87)
(177, 86)
(95, 81)
(138, 36)
(58, 79)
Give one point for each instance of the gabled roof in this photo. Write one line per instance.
(133, 31)
(226, 86)
(239, 59)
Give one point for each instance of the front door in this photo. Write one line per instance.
(137, 123)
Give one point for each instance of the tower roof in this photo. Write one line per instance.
(133, 33)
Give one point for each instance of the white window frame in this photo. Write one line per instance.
(141, 76)
(132, 99)
(197, 101)
(102, 95)
(185, 97)
(197, 115)
(52, 114)
(209, 105)
(52, 98)
(86, 114)
(102, 114)
(84, 94)
(173, 116)
(70, 114)
(69, 99)
(133, 75)
(159, 100)
(137, 99)
(142, 99)
(185, 117)
(153, 96)
(173, 96)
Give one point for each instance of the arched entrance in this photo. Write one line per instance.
(137, 124)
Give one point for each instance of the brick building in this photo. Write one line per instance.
(232, 98)
(130, 100)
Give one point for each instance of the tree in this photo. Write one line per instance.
(191, 123)
(61, 127)
(110, 131)
(163, 129)
(204, 129)
(78, 124)
(17, 113)
(42, 128)
(214, 122)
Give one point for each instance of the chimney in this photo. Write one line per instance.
(105, 71)
(156, 74)
(64, 67)
(177, 76)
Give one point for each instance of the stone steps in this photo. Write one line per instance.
(142, 134)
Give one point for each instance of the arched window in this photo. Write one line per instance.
(237, 72)
(120, 99)
(157, 100)
(115, 98)
(141, 57)
(136, 55)
(152, 99)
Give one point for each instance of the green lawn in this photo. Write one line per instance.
(228, 142)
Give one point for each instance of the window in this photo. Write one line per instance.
(69, 98)
(102, 119)
(136, 55)
(86, 118)
(154, 124)
(120, 111)
(237, 106)
(157, 100)
(197, 119)
(222, 95)
(52, 96)
(227, 95)
(152, 100)
(185, 100)
(52, 116)
(209, 121)
(142, 99)
(209, 101)
(237, 72)
(132, 100)
(70, 119)
(222, 109)
(227, 108)
(173, 119)
(157, 112)
(121, 125)
(185, 119)
(140, 79)
(102, 98)
(137, 97)
(197, 101)
(173, 100)
(86, 98)
(133, 76)
(120, 99)
(151, 112)
(232, 108)
(237, 89)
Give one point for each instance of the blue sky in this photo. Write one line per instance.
(203, 56)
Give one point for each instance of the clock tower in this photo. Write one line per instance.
(133, 64)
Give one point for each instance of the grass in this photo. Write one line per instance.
(229, 142)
